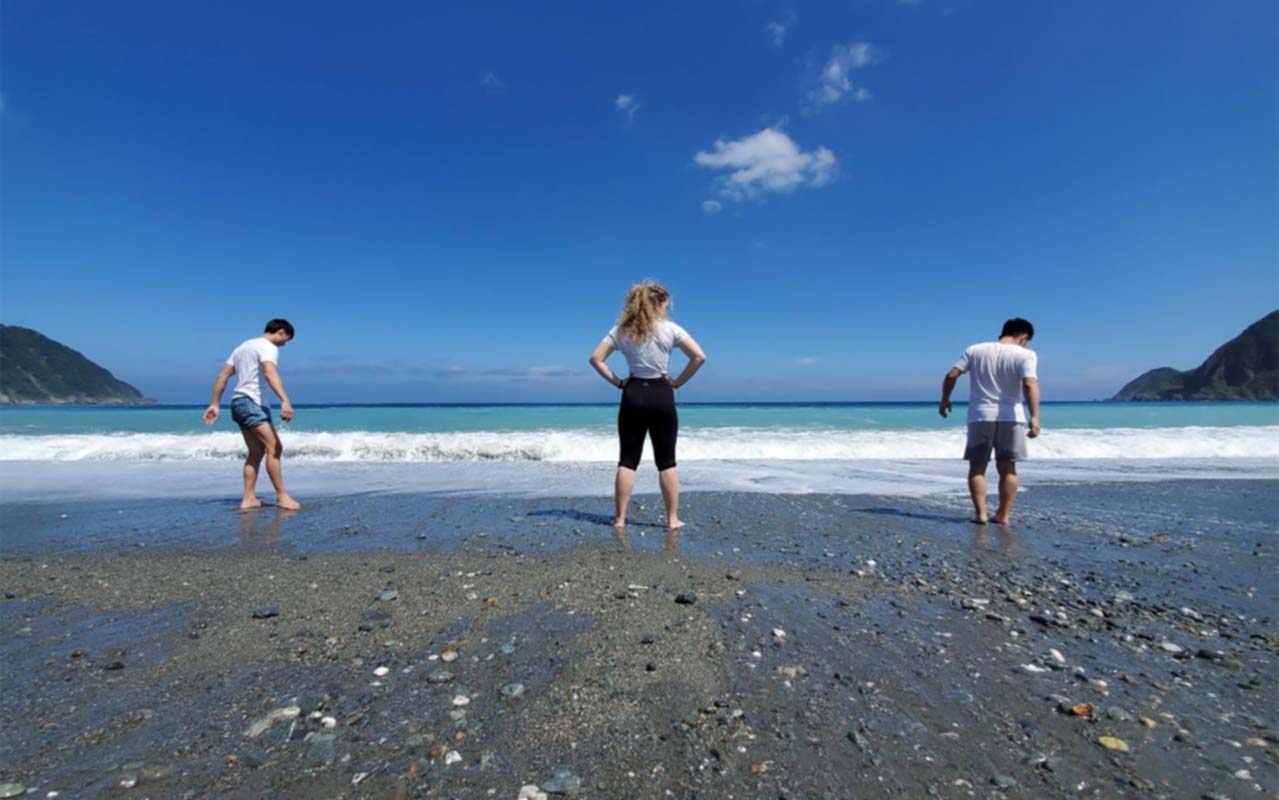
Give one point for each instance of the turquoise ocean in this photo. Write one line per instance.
(789, 431)
(799, 447)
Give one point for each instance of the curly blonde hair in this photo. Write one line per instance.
(642, 310)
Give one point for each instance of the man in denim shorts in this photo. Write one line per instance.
(999, 373)
(250, 363)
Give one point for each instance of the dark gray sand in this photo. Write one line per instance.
(1120, 641)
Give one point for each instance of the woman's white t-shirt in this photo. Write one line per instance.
(651, 358)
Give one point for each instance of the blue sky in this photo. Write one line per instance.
(449, 201)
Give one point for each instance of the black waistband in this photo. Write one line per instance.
(662, 379)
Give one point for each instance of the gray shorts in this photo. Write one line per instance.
(1007, 439)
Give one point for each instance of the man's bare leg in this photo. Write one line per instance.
(668, 479)
(1008, 483)
(251, 464)
(977, 488)
(274, 450)
(623, 486)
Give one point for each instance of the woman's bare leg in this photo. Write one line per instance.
(668, 479)
(623, 486)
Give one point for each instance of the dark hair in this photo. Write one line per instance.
(1013, 327)
(283, 325)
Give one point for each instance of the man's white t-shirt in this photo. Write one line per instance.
(651, 358)
(995, 372)
(247, 360)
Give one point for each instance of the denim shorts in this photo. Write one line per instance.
(248, 414)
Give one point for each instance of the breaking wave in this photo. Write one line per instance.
(561, 445)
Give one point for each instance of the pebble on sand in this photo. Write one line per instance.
(563, 781)
(12, 789)
(531, 792)
(261, 726)
(266, 612)
(1111, 743)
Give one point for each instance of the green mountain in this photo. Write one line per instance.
(36, 369)
(1244, 368)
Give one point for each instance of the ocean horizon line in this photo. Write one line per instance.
(582, 404)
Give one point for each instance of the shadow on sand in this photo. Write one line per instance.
(594, 519)
(896, 512)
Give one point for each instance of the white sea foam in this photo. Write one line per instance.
(600, 445)
(71, 480)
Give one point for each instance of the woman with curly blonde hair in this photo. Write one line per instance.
(646, 336)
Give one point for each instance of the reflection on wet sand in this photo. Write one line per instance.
(1006, 540)
(262, 537)
(670, 543)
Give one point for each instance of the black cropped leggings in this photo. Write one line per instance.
(648, 407)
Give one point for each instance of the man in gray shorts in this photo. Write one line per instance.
(999, 373)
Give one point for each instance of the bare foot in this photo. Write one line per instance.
(287, 503)
(1000, 520)
(619, 524)
(249, 505)
(978, 520)
(674, 524)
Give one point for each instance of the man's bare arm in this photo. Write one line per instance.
(1031, 387)
(948, 386)
(219, 386)
(272, 375)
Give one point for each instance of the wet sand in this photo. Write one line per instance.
(1119, 641)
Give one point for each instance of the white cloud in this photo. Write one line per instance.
(834, 82)
(807, 361)
(627, 104)
(492, 80)
(767, 161)
(777, 30)
(712, 206)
